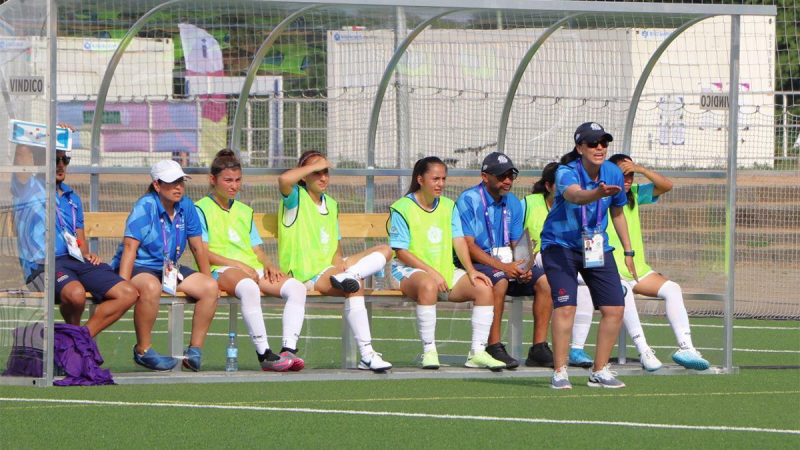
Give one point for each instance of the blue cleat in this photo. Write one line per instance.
(577, 357)
(154, 361)
(691, 359)
(191, 358)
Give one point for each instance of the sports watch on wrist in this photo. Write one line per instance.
(630, 253)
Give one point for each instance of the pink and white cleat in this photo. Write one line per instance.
(297, 362)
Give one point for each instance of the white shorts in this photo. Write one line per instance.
(400, 271)
(221, 270)
(310, 283)
(633, 282)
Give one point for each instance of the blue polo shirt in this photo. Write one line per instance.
(30, 221)
(144, 225)
(70, 209)
(563, 225)
(473, 220)
(399, 234)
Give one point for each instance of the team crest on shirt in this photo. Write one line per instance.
(434, 234)
(323, 236)
(233, 236)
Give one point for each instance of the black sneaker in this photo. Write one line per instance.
(540, 355)
(498, 352)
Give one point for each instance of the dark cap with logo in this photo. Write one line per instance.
(591, 131)
(497, 163)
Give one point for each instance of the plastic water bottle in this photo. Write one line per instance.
(232, 361)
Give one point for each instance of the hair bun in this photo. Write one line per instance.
(225, 152)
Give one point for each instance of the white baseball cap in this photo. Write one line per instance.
(167, 171)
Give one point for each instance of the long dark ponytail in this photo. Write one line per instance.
(619, 157)
(548, 176)
(421, 167)
(571, 156)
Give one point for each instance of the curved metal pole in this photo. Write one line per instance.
(521, 68)
(387, 76)
(637, 93)
(105, 84)
(241, 105)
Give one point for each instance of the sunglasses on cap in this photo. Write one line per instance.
(64, 159)
(593, 144)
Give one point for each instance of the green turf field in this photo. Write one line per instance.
(753, 408)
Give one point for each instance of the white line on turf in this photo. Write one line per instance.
(516, 397)
(407, 415)
(446, 341)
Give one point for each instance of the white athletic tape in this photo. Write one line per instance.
(408, 415)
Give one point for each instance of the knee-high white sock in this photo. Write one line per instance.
(249, 293)
(632, 323)
(426, 323)
(583, 317)
(482, 317)
(294, 312)
(368, 265)
(676, 313)
(356, 313)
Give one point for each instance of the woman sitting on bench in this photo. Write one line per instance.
(309, 250)
(424, 228)
(156, 233)
(242, 268)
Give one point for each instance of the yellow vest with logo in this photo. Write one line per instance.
(306, 247)
(229, 231)
(431, 234)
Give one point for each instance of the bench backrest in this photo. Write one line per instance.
(112, 225)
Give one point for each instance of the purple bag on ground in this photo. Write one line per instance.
(27, 352)
(77, 353)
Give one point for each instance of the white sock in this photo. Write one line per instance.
(368, 265)
(632, 323)
(482, 317)
(249, 293)
(676, 313)
(583, 317)
(356, 313)
(294, 312)
(426, 323)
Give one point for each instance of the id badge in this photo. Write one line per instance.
(72, 246)
(169, 279)
(503, 254)
(593, 255)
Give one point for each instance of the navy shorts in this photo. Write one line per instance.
(515, 289)
(184, 271)
(562, 266)
(97, 279)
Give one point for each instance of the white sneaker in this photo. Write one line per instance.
(346, 282)
(605, 378)
(649, 360)
(560, 379)
(375, 364)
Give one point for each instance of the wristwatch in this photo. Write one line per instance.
(630, 253)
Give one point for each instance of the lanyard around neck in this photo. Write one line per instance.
(178, 224)
(506, 239)
(598, 206)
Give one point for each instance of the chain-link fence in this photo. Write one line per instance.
(170, 78)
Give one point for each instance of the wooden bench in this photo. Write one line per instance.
(365, 226)
(368, 226)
